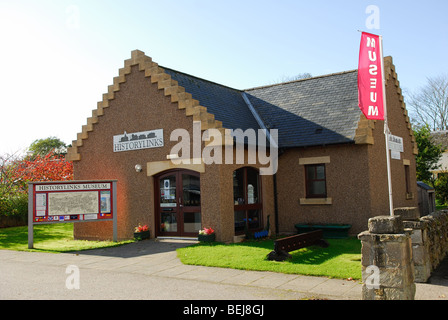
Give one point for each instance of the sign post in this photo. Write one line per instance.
(71, 201)
(386, 131)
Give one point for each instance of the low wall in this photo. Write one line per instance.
(429, 242)
(13, 221)
(437, 224)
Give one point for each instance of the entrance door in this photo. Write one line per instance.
(178, 203)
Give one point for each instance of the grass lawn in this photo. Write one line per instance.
(342, 259)
(49, 238)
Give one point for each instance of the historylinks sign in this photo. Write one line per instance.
(138, 140)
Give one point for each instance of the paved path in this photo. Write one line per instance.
(151, 270)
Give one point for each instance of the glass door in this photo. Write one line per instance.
(168, 207)
(191, 204)
(178, 203)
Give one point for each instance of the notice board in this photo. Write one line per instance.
(71, 201)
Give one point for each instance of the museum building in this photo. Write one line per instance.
(155, 124)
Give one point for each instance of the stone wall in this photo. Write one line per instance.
(429, 242)
(420, 249)
(429, 239)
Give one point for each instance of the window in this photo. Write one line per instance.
(247, 200)
(407, 176)
(315, 190)
(316, 184)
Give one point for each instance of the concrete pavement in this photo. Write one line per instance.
(151, 270)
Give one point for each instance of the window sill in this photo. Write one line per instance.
(316, 201)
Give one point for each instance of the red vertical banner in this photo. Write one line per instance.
(370, 77)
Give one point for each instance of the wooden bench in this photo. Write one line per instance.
(292, 243)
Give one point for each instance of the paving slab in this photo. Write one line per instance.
(175, 272)
(333, 287)
(303, 283)
(273, 280)
(244, 278)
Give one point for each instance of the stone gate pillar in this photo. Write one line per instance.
(387, 266)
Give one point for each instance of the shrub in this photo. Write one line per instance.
(13, 210)
(441, 186)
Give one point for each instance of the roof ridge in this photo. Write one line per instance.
(199, 78)
(300, 80)
(264, 86)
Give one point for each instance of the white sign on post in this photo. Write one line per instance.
(395, 146)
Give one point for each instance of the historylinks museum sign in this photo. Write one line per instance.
(138, 140)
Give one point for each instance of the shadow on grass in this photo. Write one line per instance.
(11, 238)
(318, 255)
(313, 255)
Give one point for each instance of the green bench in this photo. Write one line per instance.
(331, 231)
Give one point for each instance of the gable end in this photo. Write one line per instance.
(164, 82)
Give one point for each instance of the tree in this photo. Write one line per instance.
(441, 186)
(428, 156)
(300, 76)
(50, 167)
(430, 104)
(9, 181)
(45, 146)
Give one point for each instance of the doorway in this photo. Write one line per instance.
(178, 203)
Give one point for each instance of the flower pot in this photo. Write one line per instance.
(141, 235)
(206, 237)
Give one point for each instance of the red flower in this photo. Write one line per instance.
(141, 228)
(206, 231)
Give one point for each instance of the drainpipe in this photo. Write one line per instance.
(277, 231)
(276, 206)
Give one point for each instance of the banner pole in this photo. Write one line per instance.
(386, 132)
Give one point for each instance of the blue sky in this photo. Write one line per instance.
(58, 57)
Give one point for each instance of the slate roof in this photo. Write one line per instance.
(316, 111)
(225, 103)
(424, 185)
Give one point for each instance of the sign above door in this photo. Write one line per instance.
(138, 140)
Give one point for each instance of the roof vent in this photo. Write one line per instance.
(319, 130)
